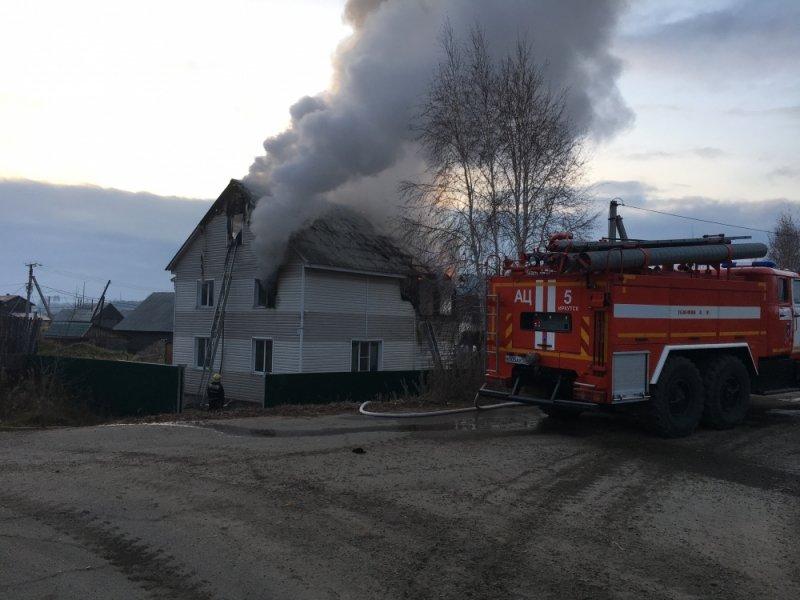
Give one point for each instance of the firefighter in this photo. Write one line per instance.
(215, 393)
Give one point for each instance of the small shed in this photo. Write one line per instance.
(83, 324)
(150, 322)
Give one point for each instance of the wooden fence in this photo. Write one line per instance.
(18, 337)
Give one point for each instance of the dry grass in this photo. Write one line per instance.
(456, 384)
(152, 354)
(40, 400)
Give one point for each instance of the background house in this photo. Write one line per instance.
(336, 304)
(83, 324)
(149, 323)
(13, 304)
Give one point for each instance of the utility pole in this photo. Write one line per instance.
(29, 287)
(44, 300)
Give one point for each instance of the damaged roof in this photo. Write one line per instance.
(344, 239)
(154, 314)
(341, 239)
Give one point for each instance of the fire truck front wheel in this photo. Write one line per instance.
(727, 384)
(677, 400)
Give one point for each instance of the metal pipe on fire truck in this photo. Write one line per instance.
(634, 258)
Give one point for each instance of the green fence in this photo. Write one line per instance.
(117, 388)
(317, 388)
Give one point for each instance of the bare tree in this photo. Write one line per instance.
(784, 244)
(443, 210)
(504, 160)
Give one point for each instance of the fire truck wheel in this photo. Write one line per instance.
(676, 403)
(727, 385)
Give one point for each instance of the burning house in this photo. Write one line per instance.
(339, 302)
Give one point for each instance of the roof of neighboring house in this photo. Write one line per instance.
(155, 313)
(126, 307)
(14, 302)
(340, 239)
(73, 315)
(109, 316)
(67, 329)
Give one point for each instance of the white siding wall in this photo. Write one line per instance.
(243, 320)
(342, 307)
(339, 307)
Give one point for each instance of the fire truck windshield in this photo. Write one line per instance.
(545, 321)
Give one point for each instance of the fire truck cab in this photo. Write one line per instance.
(680, 341)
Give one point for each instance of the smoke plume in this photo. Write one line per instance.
(353, 142)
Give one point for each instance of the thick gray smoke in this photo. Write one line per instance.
(353, 142)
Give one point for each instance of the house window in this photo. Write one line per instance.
(262, 356)
(202, 349)
(266, 292)
(366, 356)
(260, 293)
(205, 293)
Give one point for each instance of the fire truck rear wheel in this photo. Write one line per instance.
(676, 403)
(727, 385)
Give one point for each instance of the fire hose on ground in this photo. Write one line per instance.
(436, 413)
(455, 411)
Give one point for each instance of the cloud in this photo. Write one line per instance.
(103, 233)
(785, 172)
(753, 37)
(780, 111)
(706, 152)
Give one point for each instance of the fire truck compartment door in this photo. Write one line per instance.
(629, 376)
(796, 315)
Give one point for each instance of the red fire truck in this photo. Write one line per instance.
(675, 327)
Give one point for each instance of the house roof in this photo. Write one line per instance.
(84, 315)
(67, 329)
(155, 313)
(344, 239)
(341, 239)
(14, 301)
(234, 193)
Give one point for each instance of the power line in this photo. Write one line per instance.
(85, 277)
(66, 293)
(669, 214)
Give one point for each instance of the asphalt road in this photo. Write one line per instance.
(510, 505)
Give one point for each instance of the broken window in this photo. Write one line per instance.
(366, 356)
(266, 292)
(205, 293)
(262, 356)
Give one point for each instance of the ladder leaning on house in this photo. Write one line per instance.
(218, 323)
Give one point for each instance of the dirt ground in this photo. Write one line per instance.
(504, 505)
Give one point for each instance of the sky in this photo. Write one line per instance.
(120, 121)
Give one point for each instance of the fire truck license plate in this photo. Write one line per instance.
(516, 359)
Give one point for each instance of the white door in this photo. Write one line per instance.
(796, 315)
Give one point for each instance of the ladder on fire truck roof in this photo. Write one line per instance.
(217, 333)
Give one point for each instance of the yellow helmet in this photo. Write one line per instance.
(216, 377)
